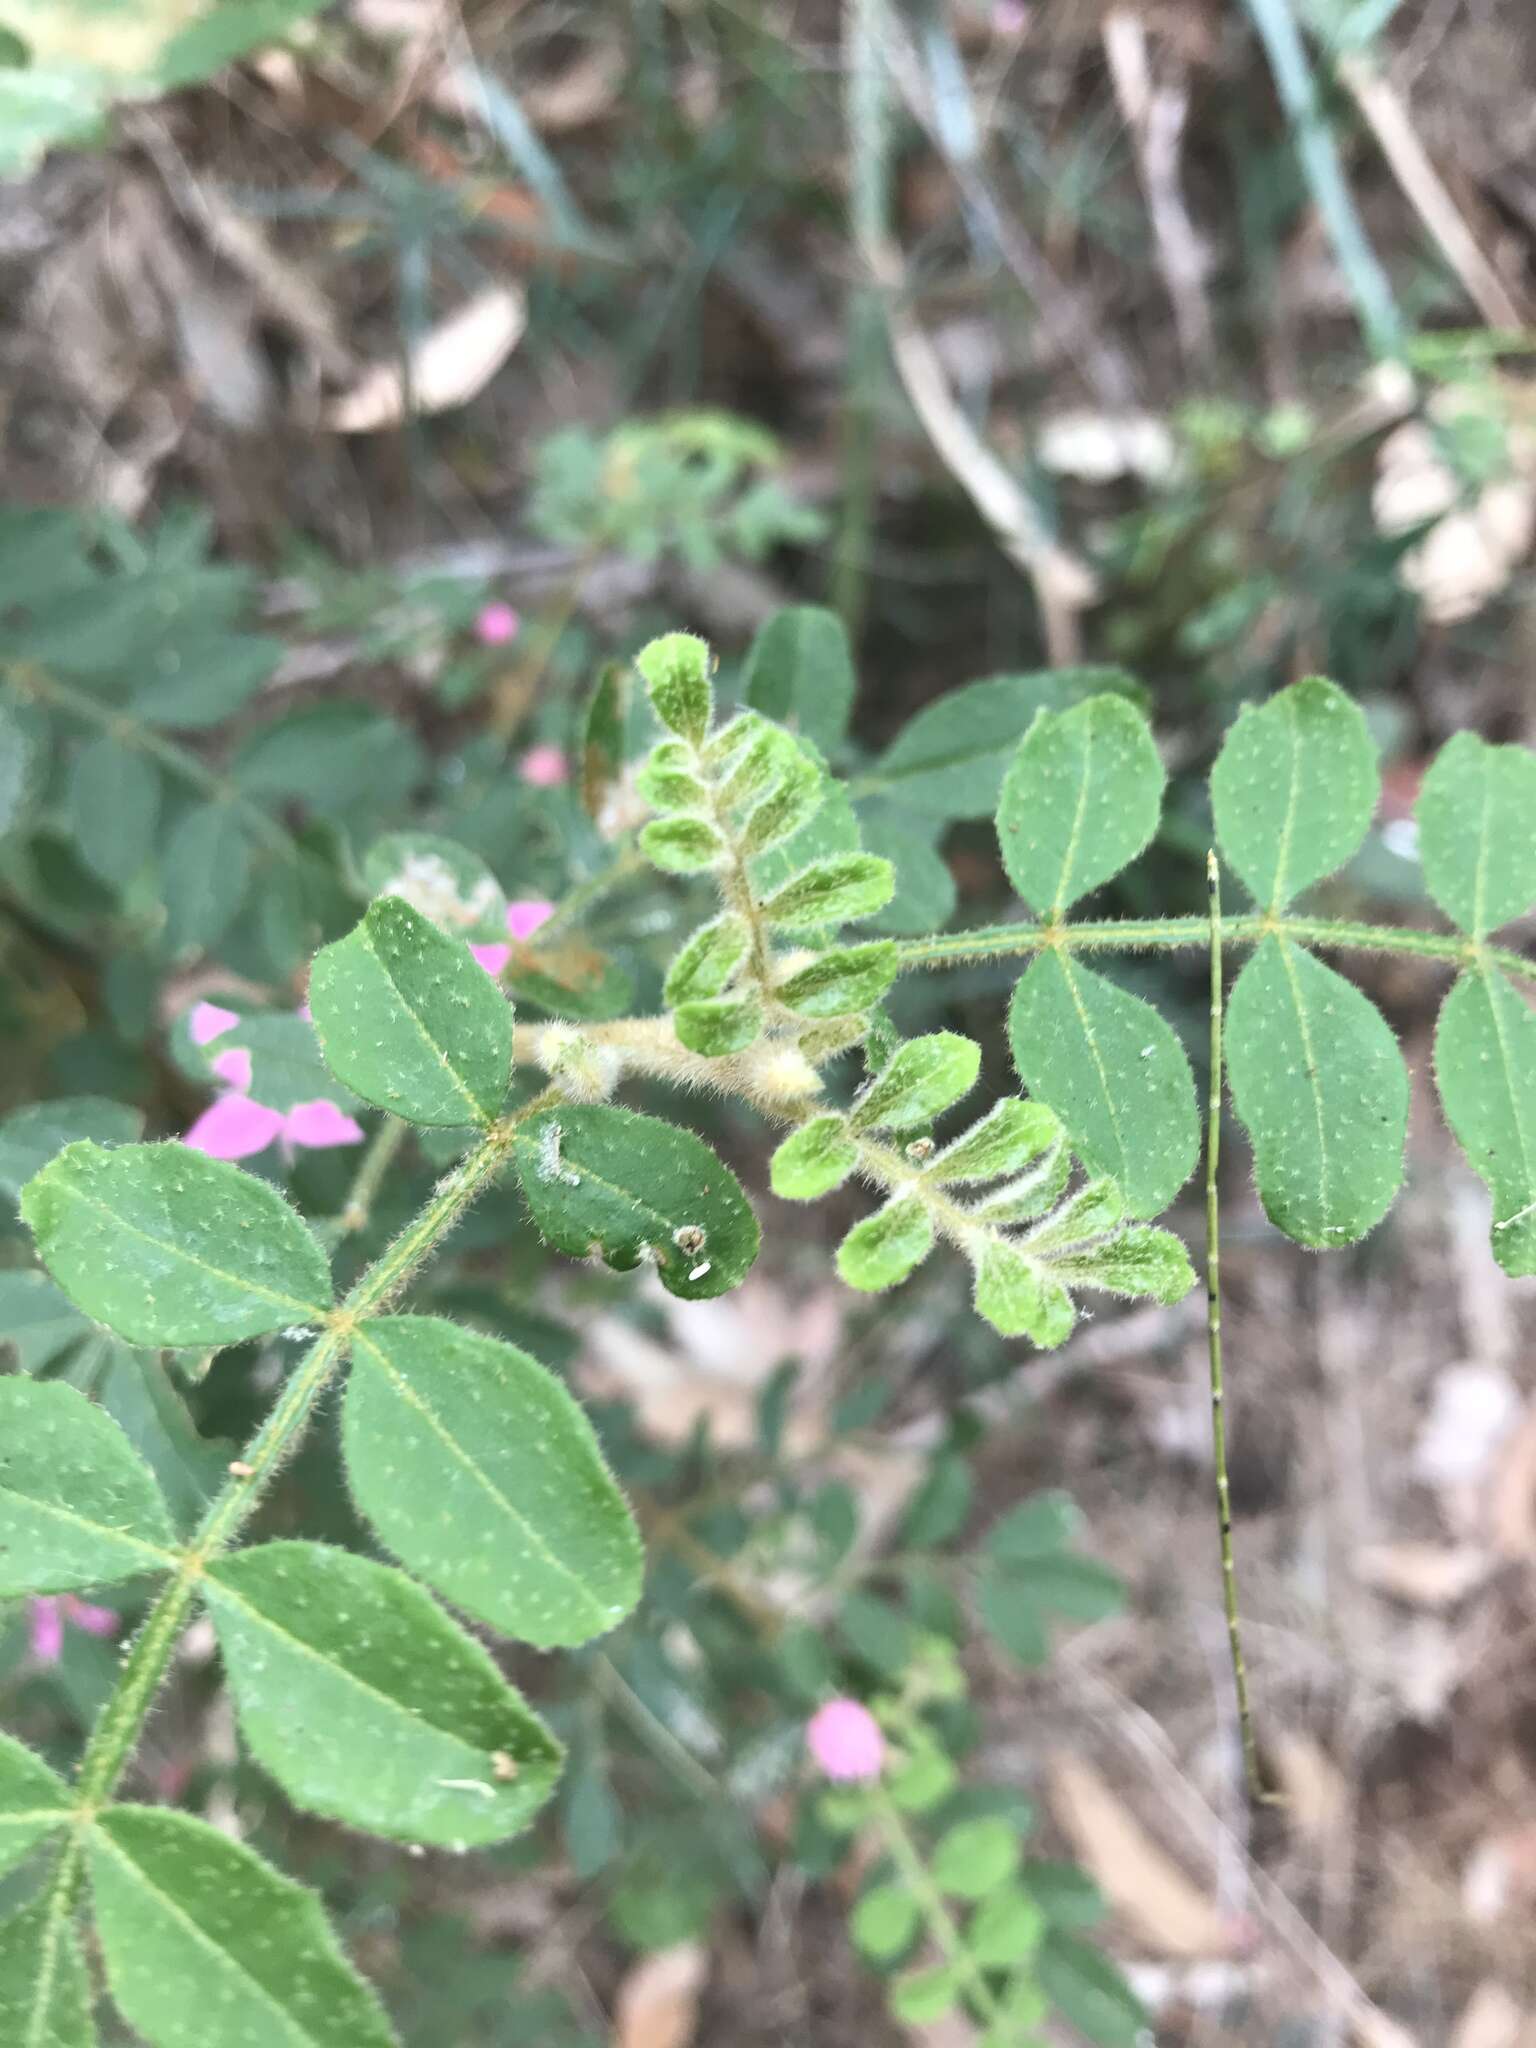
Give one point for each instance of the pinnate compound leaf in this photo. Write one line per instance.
(883, 1249)
(1081, 798)
(828, 892)
(30, 1137)
(975, 1856)
(169, 1247)
(1018, 1296)
(204, 1942)
(77, 1505)
(676, 670)
(481, 1473)
(813, 1160)
(800, 673)
(368, 1704)
(636, 1188)
(884, 1921)
(922, 1079)
(1008, 1137)
(45, 1994)
(1477, 832)
(949, 759)
(1485, 1067)
(706, 962)
(844, 980)
(1293, 790)
(682, 846)
(1114, 1073)
(717, 1025)
(1320, 1085)
(34, 1800)
(410, 1022)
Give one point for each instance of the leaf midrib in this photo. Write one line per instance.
(480, 1114)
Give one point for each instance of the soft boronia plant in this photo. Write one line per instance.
(362, 1695)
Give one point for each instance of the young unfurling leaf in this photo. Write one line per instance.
(842, 980)
(924, 1077)
(1008, 1137)
(676, 671)
(1018, 1296)
(717, 1025)
(683, 845)
(705, 964)
(831, 892)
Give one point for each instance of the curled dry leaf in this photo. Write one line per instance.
(1160, 1903)
(658, 2002)
(448, 365)
(1430, 1575)
(1316, 1796)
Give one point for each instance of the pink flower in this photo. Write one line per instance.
(49, 1615)
(492, 958)
(234, 1127)
(496, 625)
(233, 1065)
(210, 1021)
(526, 915)
(844, 1738)
(545, 767)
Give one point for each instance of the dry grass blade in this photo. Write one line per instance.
(1142, 1882)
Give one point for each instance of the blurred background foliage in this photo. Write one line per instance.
(374, 376)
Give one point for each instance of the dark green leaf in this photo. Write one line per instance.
(113, 805)
(1081, 798)
(36, 1320)
(30, 1137)
(800, 673)
(45, 1994)
(77, 1507)
(1477, 832)
(1485, 1067)
(1090, 1992)
(205, 866)
(34, 1801)
(450, 886)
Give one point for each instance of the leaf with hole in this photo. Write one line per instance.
(368, 1704)
(1081, 798)
(1477, 832)
(1114, 1073)
(635, 1188)
(77, 1505)
(1320, 1085)
(444, 881)
(204, 1942)
(481, 1473)
(169, 1247)
(1485, 1068)
(1293, 790)
(409, 1020)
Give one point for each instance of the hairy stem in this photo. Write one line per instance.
(937, 1917)
(1213, 1337)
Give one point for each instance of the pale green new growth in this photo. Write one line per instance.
(814, 1160)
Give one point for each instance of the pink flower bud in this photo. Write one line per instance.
(319, 1124)
(234, 1127)
(96, 1621)
(845, 1740)
(492, 958)
(545, 767)
(210, 1021)
(526, 915)
(234, 1066)
(496, 625)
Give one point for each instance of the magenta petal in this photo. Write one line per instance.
(47, 1630)
(496, 625)
(526, 915)
(210, 1021)
(96, 1621)
(234, 1066)
(846, 1740)
(545, 767)
(234, 1127)
(492, 958)
(320, 1123)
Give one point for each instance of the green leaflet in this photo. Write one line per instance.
(666, 779)
(920, 1996)
(1008, 1137)
(676, 671)
(1293, 790)
(1320, 1085)
(883, 1249)
(682, 846)
(45, 1995)
(717, 1025)
(368, 1704)
(884, 1921)
(33, 1802)
(975, 1856)
(1485, 1066)
(923, 1078)
(601, 751)
(1140, 1261)
(1090, 1992)
(1081, 798)
(30, 1137)
(169, 1247)
(844, 980)
(1018, 1296)
(408, 1019)
(705, 963)
(829, 892)
(636, 1188)
(1477, 832)
(813, 1160)
(949, 759)
(77, 1506)
(800, 673)
(444, 881)
(205, 1943)
(112, 801)
(924, 898)
(37, 1321)
(1006, 1927)
(1113, 1072)
(204, 867)
(481, 1473)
